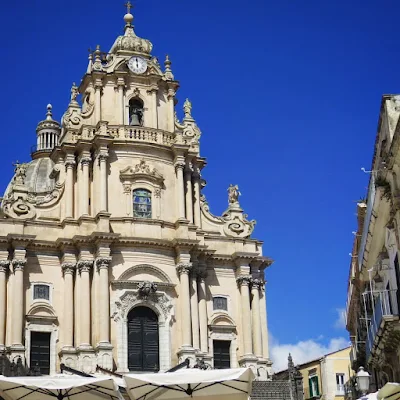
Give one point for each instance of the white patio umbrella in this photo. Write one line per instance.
(232, 384)
(369, 396)
(58, 387)
(391, 391)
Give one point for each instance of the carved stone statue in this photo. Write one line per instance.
(74, 93)
(146, 288)
(233, 194)
(20, 173)
(187, 108)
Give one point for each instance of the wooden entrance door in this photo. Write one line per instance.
(40, 352)
(143, 351)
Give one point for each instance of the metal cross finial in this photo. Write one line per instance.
(128, 6)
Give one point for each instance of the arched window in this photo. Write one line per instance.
(143, 349)
(136, 112)
(141, 203)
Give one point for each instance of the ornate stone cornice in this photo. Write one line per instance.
(184, 268)
(18, 265)
(84, 265)
(4, 265)
(103, 262)
(244, 280)
(68, 268)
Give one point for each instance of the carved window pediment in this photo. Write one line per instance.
(143, 172)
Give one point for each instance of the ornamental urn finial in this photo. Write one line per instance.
(168, 71)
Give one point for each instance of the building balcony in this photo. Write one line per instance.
(385, 314)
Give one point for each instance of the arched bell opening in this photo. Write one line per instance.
(143, 340)
(136, 110)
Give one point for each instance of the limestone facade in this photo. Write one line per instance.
(109, 217)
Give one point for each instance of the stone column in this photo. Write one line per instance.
(194, 309)
(68, 271)
(18, 304)
(243, 282)
(184, 271)
(102, 157)
(256, 285)
(121, 86)
(196, 194)
(179, 166)
(153, 101)
(69, 188)
(203, 312)
(84, 196)
(189, 194)
(104, 299)
(84, 268)
(97, 99)
(4, 266)
(171, 111)
(264, 324)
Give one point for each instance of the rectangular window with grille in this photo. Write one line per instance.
(41, 292)
(220, 303)
(222, 355)
(339, 384)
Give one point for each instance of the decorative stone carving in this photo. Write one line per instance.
(85, 160)
(74, 94)
(18, 209)
(18, 265)
(257, 283)
(141, 170)
(146, 288)
(4, 265)
(103, 262)
(69, 164)
(84, 265)
(244, 280)
(184, 268)
(88, 102)
(233, 194)
(68, 268)
(187, 109)
(129, 299)
(20, 173)
(102, 156)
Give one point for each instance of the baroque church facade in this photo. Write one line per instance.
(109, 254)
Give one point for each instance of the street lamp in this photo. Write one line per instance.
(362, 379)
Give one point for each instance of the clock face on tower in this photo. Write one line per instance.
(137, 65)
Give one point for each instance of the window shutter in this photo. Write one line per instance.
(316, 386)
(310, 387)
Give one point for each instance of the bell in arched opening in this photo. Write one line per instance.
(136, 112)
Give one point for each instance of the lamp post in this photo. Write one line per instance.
(362, 379)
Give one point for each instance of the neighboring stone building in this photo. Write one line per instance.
(324, 377)
(109, 253)
(373, 296)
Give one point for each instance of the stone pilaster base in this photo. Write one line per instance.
(69, 357)
(249, 361)
(104, 355)
(87, 360)
(187, 352)
(264, 369)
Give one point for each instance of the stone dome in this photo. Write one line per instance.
(37, 179)
(129, 42)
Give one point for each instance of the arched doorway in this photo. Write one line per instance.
(143, 350)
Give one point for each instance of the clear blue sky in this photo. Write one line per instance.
(286, 94)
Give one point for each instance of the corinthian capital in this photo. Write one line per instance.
(85, 160)
(68, 268)
(244, 280)
(4, 265)
(103, 262)
(69, 164)
(184, 268)
(257, 284)
(102, 157)
(18, 265)
(84, 265)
